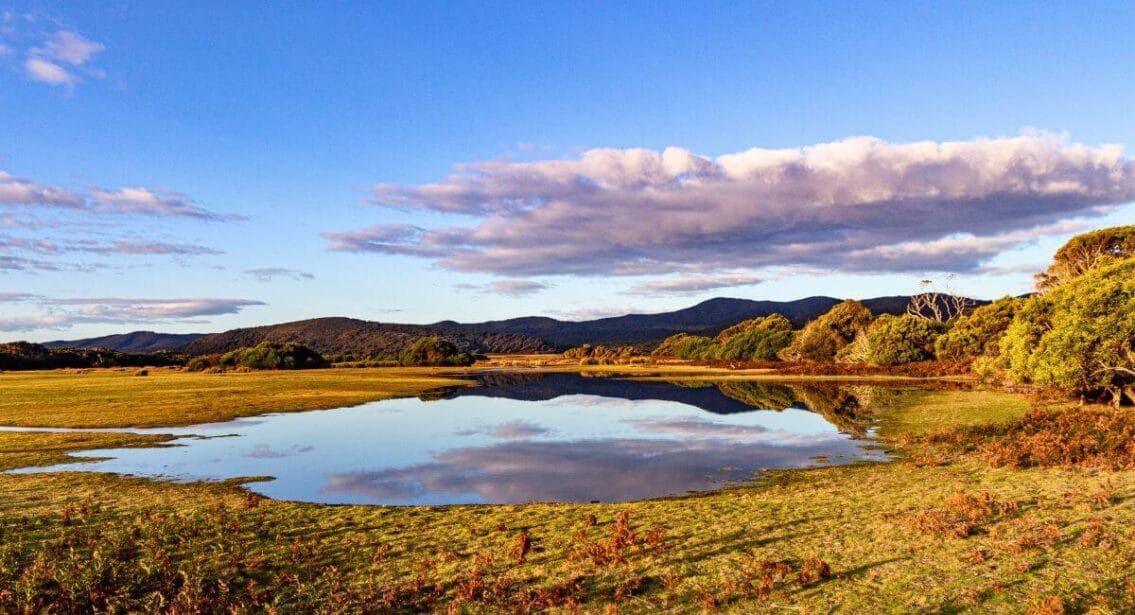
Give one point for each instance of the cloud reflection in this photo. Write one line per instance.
(581, 471)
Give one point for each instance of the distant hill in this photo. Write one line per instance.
(708, 317)
(529, 334)
(137, 341)
(364, 338)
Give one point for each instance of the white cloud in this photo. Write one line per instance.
(46, 63)
(70, 47)
(830, 206)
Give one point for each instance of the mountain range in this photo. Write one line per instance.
(532, 334)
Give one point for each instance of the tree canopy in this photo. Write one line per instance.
(978, 332)
(759, 339)
(1080, 336)
(1088, 251)
(822, 338)
(897, 340)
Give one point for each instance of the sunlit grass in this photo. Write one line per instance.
(108, 398)
(888, 535)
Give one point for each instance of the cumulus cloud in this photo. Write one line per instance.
(268, 274)
(62, 59)
(861, 204)
(691, 285)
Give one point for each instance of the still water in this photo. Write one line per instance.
(518, 438)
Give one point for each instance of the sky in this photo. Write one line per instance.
(195, 167)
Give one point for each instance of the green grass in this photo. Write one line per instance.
(1068, 535)
(923, 412)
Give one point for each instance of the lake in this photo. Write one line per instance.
(520, 438)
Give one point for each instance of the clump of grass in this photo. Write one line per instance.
(1091, 437)
(1053, 605)
(762, 579)
(962, 515)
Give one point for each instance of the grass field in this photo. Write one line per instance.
(165, 398)
(926, 533)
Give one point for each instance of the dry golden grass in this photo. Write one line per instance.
(116, 398)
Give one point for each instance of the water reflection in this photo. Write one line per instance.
(523, 438)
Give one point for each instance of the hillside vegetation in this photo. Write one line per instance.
(361, 339)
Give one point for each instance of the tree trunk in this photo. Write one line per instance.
(1130, 392)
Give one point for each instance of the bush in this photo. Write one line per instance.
(760, 339)
(1078, 338)
(267, 355)
(897, 340)
(685, 346)
(824, 337)
(435, 351)
(978, 333)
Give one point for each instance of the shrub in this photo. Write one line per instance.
(822, 338)
(760, 339)
(273, 355)
(1078, 338)
(685, 346)
(435, 351)
(896, 340)
(977, 333)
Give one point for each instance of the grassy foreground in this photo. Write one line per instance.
(937, 533)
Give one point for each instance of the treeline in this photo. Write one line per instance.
(426, 351)
(28, 356)
(1076, 336)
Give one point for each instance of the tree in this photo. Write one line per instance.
(759, 339)
(1085, 252)
(825, 336)
(266, 355)
(1079, 337)
(933, 304)
(896, 340)
(977, 333)
(435, 351)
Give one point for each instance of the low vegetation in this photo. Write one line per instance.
(435, 351)
(267, 355)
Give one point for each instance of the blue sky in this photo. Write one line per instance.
(201, 166)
